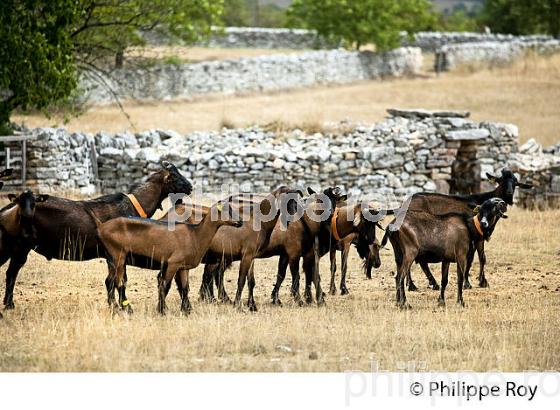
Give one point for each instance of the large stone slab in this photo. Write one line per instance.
(475, 134)
(420, 113)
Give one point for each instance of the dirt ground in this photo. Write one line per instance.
(61, 321)
(526, 94)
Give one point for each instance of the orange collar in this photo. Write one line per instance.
(333, 225)
(137, 206)
(477, 225)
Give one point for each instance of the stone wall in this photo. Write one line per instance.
(490, 53)
(431, 41)
(264, 73)
(541, 167)
(253, 37)
(410, 151)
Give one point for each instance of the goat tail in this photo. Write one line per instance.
(93, 216)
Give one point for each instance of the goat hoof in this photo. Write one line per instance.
(10, 306)
(300, 303)
(276, 302)
(441, 303)
(186, 311)
(412, 287)
(404, 306)
(467, 285)
(460, 303)
(308, 300)
(332, 290)
(252, 307)
(483, 283)
(1, 315)
(344, 291)
(434, 286)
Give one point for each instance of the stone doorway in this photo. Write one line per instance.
(465, 170)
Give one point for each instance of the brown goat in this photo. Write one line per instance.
(441, 239)
(243, 244)
(370, 260)
(176, 251)
(16, 228)
(439, 204)
(349, 227)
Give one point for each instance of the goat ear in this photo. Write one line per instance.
(342, 198)
(492, 177)
(523, 185)
(1, 185)
(310, 190)
(166, 178)
(476, 210)
(12, 197)
(300, 192)
(505, 216)
(41, 198)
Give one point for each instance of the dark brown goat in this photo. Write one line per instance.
(350, 227)
(176, 251)
(439, 204)
(65, 231)
(16, 223)
(441, 239)
(370, 259)
(290, 243)
(243, 244)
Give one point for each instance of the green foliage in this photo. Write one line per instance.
(522, 16)
(250, 13)
(360, 22)
(45, 43)
(109, 27)
(459, 20)
(37, 65)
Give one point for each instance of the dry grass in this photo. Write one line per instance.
(526, 94)
(61, 322)
(198, 54)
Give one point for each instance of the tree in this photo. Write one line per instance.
(37, 65)
(46, 43)
(107, 27)
(523, 16)
(360, 22)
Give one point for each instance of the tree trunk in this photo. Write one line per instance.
(119, 59)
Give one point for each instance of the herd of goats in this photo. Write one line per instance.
(435, 228)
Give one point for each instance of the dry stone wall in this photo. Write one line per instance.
(264, 73)
(489, 53)
(410, 151)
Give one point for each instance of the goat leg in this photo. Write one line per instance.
(332, 287)
(470, 257)
(16, 262)
(206, 292)
(294, 270)
(444, 281)
(182, 280)
(411, 286)
(482, 282)
(344, 269)
(280, 276)
(432, 281)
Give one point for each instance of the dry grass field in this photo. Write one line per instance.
(526, 94)
(61, 321)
